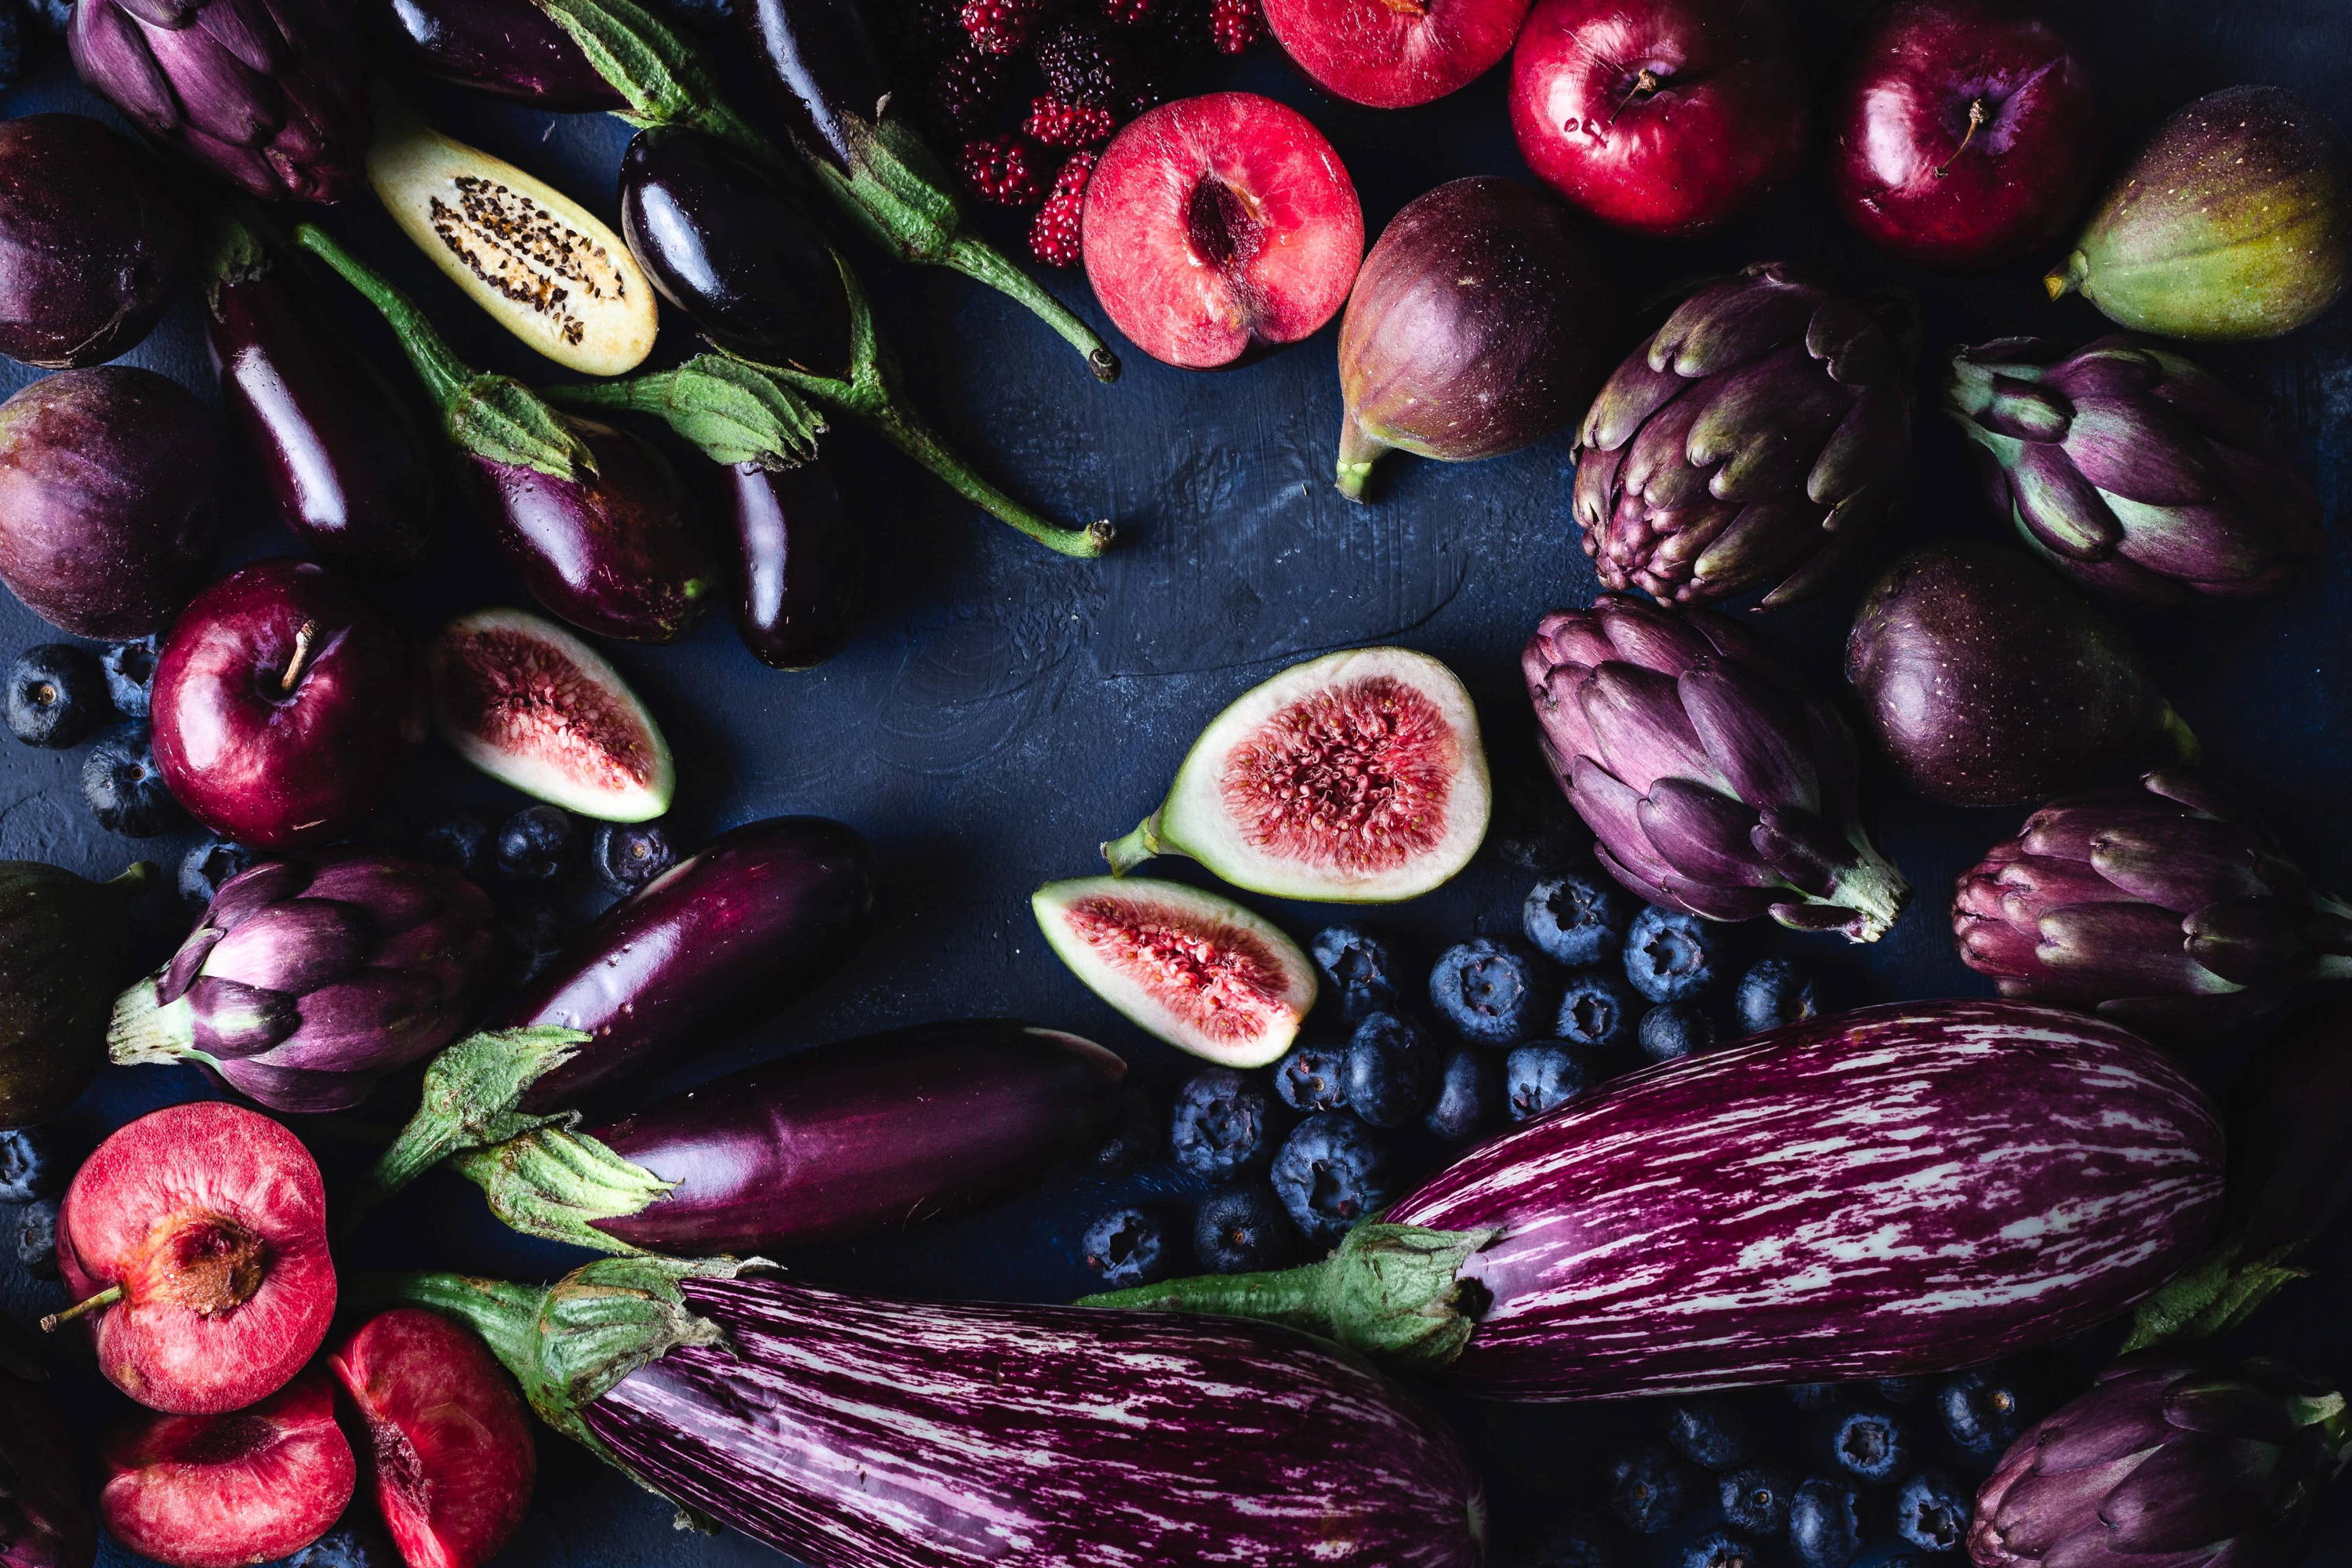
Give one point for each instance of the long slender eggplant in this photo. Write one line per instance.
(859, 1136)
(800, 563)
(343, 453)
(762, 914)
(858, 1433)
(591, 517)
(509, 48)
(1901, 1190)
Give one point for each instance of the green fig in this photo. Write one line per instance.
(2234, 222)
(61, 957)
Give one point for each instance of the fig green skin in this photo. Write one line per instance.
(61, 963)
(2235, 222)
(1988, 681)
(1471, 330)
(92, 246)
(107, 481)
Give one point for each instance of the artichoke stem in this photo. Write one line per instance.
(1359, 450)
(1876, 891)
(144, 1030)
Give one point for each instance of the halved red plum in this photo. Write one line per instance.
(1394, 54)
(1215, 223)
(221, 1492)
(453, 1457)
(194, 1242)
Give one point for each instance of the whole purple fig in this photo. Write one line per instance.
(91, 244)
(307, 980)
(2133, 471)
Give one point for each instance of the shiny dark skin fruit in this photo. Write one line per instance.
(1127, 1247)
(342, 454)
(619, 553)
(540, 845)
(825, 64)
(729, 245)
(1988, 681)
(56, 696)
(1222, 1125)
(91, 244)
(625, 855)
(762, 914)
(800, 563)
(510, 48)
(123, 786)
(1241, 1229)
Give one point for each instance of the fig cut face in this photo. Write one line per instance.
(1197, 971)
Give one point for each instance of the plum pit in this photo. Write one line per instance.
(1222, 225)
(208, 1263)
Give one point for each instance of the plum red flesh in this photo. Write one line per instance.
(1392, 54)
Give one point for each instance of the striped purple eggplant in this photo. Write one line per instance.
(1902, 1190)
(857, 1433)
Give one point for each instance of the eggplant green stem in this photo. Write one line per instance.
(2211, 1296)
(1144, 844)
(982, 263)
(472, 1090)
(736, 411)
(555, 1182)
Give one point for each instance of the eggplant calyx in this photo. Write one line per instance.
(554, 1182)
(661, 75)
(2211, 1296)
(239, 255)
(736, 411)
(471, 1091)
(1392, 1291)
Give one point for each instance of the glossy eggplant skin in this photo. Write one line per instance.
(619, 553)
(91, 244)
(510, 48)
(824, 56)
(735, 250)
(800, 563)
(763, 913)
(342, 454)
(863, 1135)
(45, 1515)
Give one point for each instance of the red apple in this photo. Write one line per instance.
(454, 1456)
(1663, 117)
(218, 1492)
(283, 703)
(1394, 54)
(1216, 223)
(1967, 133)
(194, 1242)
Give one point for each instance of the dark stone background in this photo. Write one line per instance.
(1005, 709)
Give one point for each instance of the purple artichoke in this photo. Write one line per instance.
(1714, 780)
(2164, 1464)
(307, 980)
(2164, 905)
(2135, 472)
(1763, 433)
(268, 92)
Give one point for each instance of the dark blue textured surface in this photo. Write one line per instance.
(1005, 709)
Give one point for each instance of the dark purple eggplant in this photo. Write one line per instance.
(107, 516)
(92, 246)
(1471, 328)
(592, 519)
(823, 55)
(46, 1520)
(801, 561)
(343, 453)
(1902, 1190)
(510, 48)
(859, 1433)
(852, 1138)
(1989, 681)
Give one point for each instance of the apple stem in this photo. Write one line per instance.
(293, 676)
(105, 1297)
(1976, 123)
(1647, 81)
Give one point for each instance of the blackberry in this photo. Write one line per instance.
(1087, 61)
(1059, 124)
(1001, 27)
(1004, 170)
(966, 90)
(1236, 25)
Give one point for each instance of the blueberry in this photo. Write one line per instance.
(1597, 1010)
(1575, 1543)
(56, 696)
(1127, 1246)
(540, 845)
(462, 840)
(125, 791)
(1825, 1524)
(1243, 1229)
(1648, 1487)
(130, 669)
(1222, 1125)
(35, 1238)
(534, 936)
(1932, 1512)
(1390, 1070)
(1672, 1030)
(1538, 1077)
(628, 855)
(354, 1545)
(32, 1165)
(1712, 1433)
(1576, 921)
(1902, 1390)
(1669, 955)
(1469, 1096)
(1332, 1171)
(1756, 1498)
(1772, 993)
(1361, 966)
(1984, 1410)
(1872, 1445)
(1313, 1077)
(210, 863)
(1721, 1549)
(1491, 990)
(1133, 1141)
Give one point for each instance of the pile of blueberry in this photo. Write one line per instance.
(1510, 1027)
(33, 1169)
(59, 695)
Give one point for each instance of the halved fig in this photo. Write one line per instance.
(454, 1459)
(1355, 778)
(544, 267)
(534, 707)
(218, 1492)
(1200, 972)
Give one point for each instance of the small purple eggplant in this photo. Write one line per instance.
(509, 48)
(1471, 330)
(91, 246)
(801, 565)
